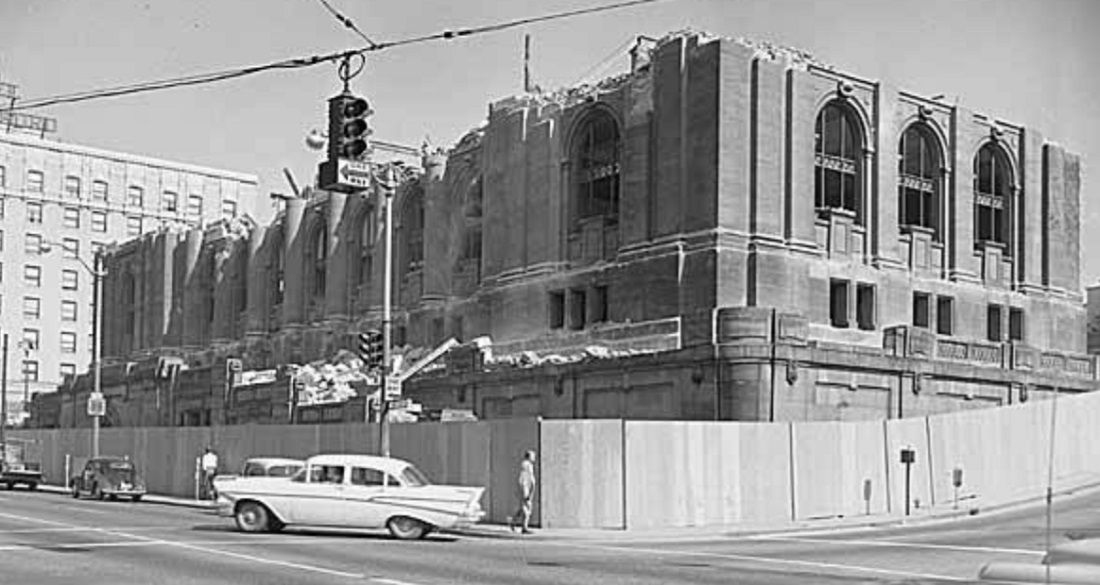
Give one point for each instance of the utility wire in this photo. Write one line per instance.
(347, 22)
(302, 62)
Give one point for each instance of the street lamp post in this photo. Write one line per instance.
(97, 271)
(387, 185)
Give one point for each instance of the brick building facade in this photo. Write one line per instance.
(747, 233)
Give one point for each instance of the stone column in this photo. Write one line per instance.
(257, 284)
(222, 288)
(336, 265)
(193, 291)
(437, 256)
(293, 262)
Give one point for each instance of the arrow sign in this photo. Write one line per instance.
(352, 173)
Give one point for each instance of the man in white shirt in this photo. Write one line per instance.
(209, 470)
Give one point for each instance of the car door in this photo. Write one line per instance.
(365, 497)
(319, 498)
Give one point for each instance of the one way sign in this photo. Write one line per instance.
(345, 175)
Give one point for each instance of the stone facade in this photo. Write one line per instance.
(748, 233)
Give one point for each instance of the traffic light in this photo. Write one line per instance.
(370, 348)
(348, 130)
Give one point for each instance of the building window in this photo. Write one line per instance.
(557, 310)
(170, 201)
(133, 225)
(993, 323)
(68, 342)
(72, 187)
(71, 217)
(70, 247)
(32, 307)
(3, 177)
(194, 206)
(32, 275)
(2, 206)
(837, 168)
(67, 370)
(30, 370)
(1, 240)
(412, 225)
(577, 309)
(918, 180)
(865, 306)
(922, 308)
(599, 304)
(32, 244)
(945, 315)
(992, 197)
(597, 164)
(35, 181)
(31, 338)
(135, 196)
(229, 209)
(1015, 324)
(99, 190)
(320, 258)
(68, 310)
(70, 279)
(34, 212)
(838, 303)
(99, 221)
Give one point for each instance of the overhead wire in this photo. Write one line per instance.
(302, 62)
(347, 22)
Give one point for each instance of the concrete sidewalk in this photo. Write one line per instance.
(918, 517)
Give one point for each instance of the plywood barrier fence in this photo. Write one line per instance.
(639, 474)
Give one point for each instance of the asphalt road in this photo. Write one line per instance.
(49, 538)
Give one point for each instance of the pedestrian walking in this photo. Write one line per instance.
(526, 494)
(209, 470)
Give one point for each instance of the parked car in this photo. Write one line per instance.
(108, 477)
(353, 491)
(19, 463)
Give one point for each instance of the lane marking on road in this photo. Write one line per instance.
(155, 542)
(184, 545)
(762, 560)
(85, 529)
(390, 581)
(903, 544)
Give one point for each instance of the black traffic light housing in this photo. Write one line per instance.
(348, 130)
(370, 348)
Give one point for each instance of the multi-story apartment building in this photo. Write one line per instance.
(61, 203)
(747, 233)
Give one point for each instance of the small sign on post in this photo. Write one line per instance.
(393, 388)
(867, 496)
(97, 405)
(908, 458)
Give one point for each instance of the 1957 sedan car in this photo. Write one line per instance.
(108, 477)
(353, 491)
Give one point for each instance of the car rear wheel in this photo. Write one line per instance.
(76, 492)
(404, 528)
(136, 498)
(252, 517)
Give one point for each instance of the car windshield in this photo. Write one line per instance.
(413, 477)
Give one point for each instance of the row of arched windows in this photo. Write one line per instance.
(838, 177)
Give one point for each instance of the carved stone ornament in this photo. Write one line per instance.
(996, 131)
(924, 112)
(792, 372)
(845, 87)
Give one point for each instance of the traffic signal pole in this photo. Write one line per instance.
(387, 188)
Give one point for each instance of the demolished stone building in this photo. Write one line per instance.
(729, 231)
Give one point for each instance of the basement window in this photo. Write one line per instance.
(945, 315)
(865, 306)
(557, 310)
(838, 303)
(921, 310)
(993, 323)
(1015, 324)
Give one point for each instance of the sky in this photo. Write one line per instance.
(1030, 62)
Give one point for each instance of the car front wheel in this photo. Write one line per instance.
(76, 492)
(252, 517)
(404, 528)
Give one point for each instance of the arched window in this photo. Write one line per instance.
(278, 265)
(992, 197)
(919, 203)
(471, 247)
(596, 164)
(318, 258)
(368, 236)
(838, 172)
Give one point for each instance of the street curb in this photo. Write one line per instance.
(149, 498)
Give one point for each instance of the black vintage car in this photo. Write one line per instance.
(108, 477)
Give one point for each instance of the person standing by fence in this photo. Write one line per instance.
(526, 494)
(209, 470)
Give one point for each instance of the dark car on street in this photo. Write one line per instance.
(108, 477)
